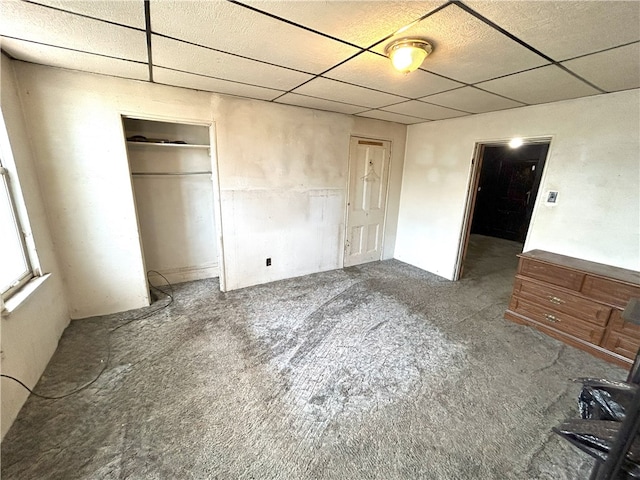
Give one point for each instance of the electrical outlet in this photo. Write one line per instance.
(553, 197)
(269, 262)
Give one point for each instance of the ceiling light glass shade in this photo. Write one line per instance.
(407, 55)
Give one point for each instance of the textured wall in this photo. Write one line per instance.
(282, 170)
(283, 175)
(81, 156)
(592, 163)
(29, 334)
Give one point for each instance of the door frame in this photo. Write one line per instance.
(345, 232)
(472, 192)
(215, 180)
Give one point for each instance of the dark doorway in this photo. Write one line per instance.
(507, 189)
(502, 192)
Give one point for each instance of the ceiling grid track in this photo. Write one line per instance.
(365, 50)
(82, 15)
(76, 50)
(289, 22)
(498, 95)
(169, 37)
(601, 51)
(498, 28)
(211, 76)
(147, 22)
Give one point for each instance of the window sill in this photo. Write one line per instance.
(21, 296)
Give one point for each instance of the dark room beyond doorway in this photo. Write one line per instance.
(507, 189)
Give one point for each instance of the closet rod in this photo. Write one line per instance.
(170, 173)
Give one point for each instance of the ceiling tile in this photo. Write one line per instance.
(424, 110)
(232, 28)
(318, 103)
(566, 29)
(359, 22)
(343, 92)
(125, 13)
(183, 56)
(179, 79)
(391, 117)
(542, 85)
(253, 48)
(371, 70)
(27, 21)
(611, 70)
(471, 100)
(466, 49)
(87, 62)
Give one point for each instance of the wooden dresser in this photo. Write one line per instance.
(578, 302)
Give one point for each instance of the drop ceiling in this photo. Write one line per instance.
(329, 55)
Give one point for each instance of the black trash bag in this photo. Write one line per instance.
(596, 439)
(604, 399)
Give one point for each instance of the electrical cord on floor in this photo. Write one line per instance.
(106, 363)
(148, 314)
(73, 392)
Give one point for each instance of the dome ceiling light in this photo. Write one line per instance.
(407, 54)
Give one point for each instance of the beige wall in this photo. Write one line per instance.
(593, 163)
(29, 335)
(282, 174)
(283, 180)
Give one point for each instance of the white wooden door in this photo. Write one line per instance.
(366, 205)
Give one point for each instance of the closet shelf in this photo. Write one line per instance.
(173, 145)
(177, 174)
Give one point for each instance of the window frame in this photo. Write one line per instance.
(10, 177)
(29, 273)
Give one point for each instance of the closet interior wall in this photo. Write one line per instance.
(171, 172)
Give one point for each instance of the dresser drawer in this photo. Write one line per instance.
(622, 344)
(623, 337)
(609, 291)
(558, 320)
(560, 301)
(559, 276)
(578, 302)
(617, 324)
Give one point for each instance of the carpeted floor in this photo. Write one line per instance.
(380, 371)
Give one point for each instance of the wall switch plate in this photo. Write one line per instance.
(552, 197)
(269, 262)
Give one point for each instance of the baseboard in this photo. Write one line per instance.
(186, 274)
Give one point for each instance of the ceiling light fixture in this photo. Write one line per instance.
(516, 142)
(407, 54)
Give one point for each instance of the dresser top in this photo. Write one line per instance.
(599, 269)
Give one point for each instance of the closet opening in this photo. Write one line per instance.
(176, 194)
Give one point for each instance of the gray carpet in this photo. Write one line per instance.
(380, 371)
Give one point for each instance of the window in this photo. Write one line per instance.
(18, 259)
(16, 268)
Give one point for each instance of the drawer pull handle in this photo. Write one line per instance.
(551, 318)
(556, 300)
